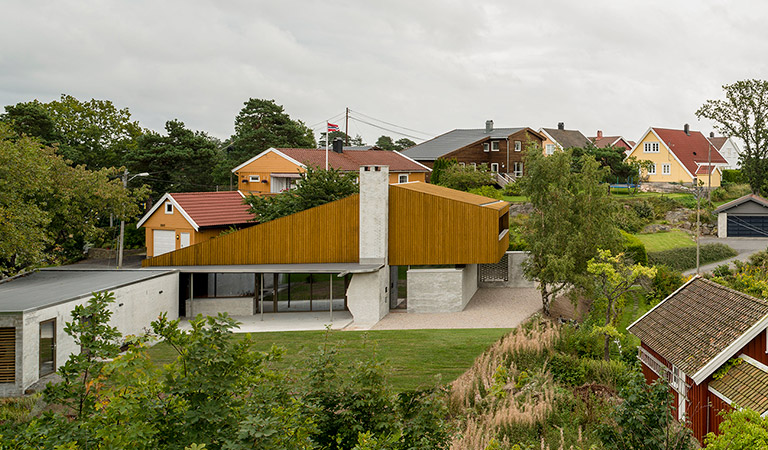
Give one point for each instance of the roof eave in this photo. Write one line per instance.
(715, 363)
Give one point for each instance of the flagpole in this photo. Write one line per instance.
(327, 138)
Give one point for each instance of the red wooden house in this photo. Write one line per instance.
(692, 334)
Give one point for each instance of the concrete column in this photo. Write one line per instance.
(722, 225)
(374, 214)
(368, 296)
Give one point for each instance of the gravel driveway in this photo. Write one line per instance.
(489, 308)
(745, 247)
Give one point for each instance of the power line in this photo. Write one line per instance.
(315, 126)
(385, 129)
(392, 124)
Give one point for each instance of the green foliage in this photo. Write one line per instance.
(685, 258)
(567, 369)
(744, 114)
(628, 220)
(439, 167)
(573, 217)
(750, 278)
(664, 283)
(723, 370)
(741, 429)
(512, 189)
(49, 209)
(33, 120)
(620, 168)
(315, 188)
(465, 178)
(180, 161)
(262, 124)
(643, 421)
(354, 141)
(730, 192)
(516, 242)
(487, 191)
(732, 176)
(634, 249)
(386, 143)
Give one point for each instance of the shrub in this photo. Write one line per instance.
(664, 283)
(464, 178)
(628, 220)
(662, 205)
(487, 191)
(685, 258)
(567, 369)
(643, 209)
(732, 176)
(611, 373)
(635, 249)
(513, 189)
(723, 270)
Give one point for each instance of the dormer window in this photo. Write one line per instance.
(168, 208)
(495, 146)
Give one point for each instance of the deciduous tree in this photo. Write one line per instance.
(744, 114)
(572, 218)
(742, 429)
(464, 178)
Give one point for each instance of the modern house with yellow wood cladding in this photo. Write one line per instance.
(679, 156)
(277, 169)
(438, 232)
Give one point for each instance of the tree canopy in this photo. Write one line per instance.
(387, 143)
(463, 178)
(262, 124)
(744, 114)
(316, 187)
(573, 217)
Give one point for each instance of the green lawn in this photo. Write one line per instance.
(667, 240)
(620, 194)
(415, 357)
(514, 198)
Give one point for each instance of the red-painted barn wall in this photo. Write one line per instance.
(714, 417)
(755, 349)
(696, 408)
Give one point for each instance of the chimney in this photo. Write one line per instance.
(374, 214)
(687, 129)
(599, 134)
(561, 125)
(711, 134)
(338, 145)
(488, 126)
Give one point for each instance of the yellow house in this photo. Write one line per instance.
(679, 156)
(183, 219)
(276, 170)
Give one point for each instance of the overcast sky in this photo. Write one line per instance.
(432, 66)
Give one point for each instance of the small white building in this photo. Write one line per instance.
(728, 148)
(35, 307)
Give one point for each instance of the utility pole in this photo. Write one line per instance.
(698, 225)
(346, 126)
(122, 221)
(709, 172)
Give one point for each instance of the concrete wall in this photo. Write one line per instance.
(441, 290)
(722, 225)
(134, 308)
(368, 296)
(234, 306)
(515, 277)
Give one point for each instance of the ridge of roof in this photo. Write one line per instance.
(740, 200)
(685, 147)
(456, 139)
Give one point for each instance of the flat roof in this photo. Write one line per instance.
(461, 196)
(48, 287)
(277, 268)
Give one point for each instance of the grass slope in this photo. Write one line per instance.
(415, 357)
(656, 242)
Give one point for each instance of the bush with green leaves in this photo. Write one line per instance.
(742, 429)
(513, 189)
(664, 283)
(634, 248)
(685, 258)
(627, 219)
(487, 191)
(732, 176)
(464, 178)
(439, 166)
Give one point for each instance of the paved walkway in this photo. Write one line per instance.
(288, 321)
(745, 246)
(489, 308)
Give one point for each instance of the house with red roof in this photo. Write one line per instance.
(601, 141)
(179, 220)
(277, 169)
(708, 342)
(679, 156)
(728, 148)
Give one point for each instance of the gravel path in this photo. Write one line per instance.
(489, 308)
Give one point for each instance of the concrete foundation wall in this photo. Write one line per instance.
(134, 308)
(368, 296)
(515, 277)
(441, 290)
(234, 306)
(722, 225)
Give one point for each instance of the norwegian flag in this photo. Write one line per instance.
(332, 127)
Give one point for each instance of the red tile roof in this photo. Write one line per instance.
(689, 149)
(718, 141)
(606, 141)
(704, 170)
(210, 209)
(351, 160)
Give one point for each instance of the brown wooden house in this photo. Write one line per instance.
(499, 148)
(692, 337)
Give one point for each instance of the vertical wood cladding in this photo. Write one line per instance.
(474, 153)
(427, 229)
(717, 405)
(325, 234)
(697, 408)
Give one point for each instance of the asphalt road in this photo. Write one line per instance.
(745, 247)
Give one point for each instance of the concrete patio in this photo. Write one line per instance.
(288, 321)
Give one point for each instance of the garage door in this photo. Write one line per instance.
(164, 241)
(747, 226)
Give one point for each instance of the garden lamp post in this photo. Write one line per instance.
(122, 221)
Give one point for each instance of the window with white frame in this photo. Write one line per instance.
(402, 178)
(652, 169)
(486, 147)
(518, 169)
(474, 165)
(462, 164)
(550, 149)
(494, 167)
(168, 208)
(495, 146)
(518, 146)
(254, 178)
(666, 169)
(651, 147)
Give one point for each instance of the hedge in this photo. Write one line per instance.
(634, 248)
(685, 258)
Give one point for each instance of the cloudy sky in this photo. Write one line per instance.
(430, 66)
